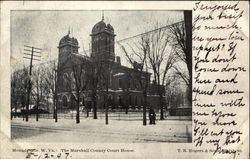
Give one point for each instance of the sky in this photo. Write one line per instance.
(44, 29)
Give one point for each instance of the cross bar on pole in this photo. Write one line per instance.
(32, 47)
(33, 51)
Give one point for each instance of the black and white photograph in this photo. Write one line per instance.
(101, 76)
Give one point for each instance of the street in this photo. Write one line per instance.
(90, 130)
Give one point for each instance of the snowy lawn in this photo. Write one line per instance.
(95, 130)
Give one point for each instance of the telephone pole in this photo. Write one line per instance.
(55, 98)
(32, 53)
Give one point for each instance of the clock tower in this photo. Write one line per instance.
(67, 46)
(102, 40)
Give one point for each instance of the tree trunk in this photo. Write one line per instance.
(55, 98)
(158, 82)
(37, 104)
(188, 51)
(11, 115)
(77, 110)
(126, 107)
(144, 109)
(55, 108)
(15, 111)
(94, 105)
(28, 102)
(87, 111)
(188, 27)
(161, 102)
(37, 113)
(106, 109)
(106, 101)
(162, 110)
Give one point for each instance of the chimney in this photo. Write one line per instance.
(118, 60)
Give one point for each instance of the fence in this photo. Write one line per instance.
(115, 115)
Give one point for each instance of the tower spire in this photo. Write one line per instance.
(102, 15)
(69, 30)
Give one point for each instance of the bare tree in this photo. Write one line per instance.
(79, 81)
(172, 84)
(15, 92)
(95, 69)
(18, 89)
(138, 59)
(161, 60)
(50, 79)
(19, 86)
(182, 33)
(126, 88)
(39, 87)
(105, 76)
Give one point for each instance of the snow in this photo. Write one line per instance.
(95, 130)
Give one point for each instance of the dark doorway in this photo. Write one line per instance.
(64, 102)
(72, 102)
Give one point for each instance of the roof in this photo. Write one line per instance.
(68, 40)
(101, 26)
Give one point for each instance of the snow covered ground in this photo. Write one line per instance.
(90, 130)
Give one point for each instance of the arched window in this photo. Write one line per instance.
(72, 78)
(135, 84)
(65, 79)
(83, 77)
(107, 44)
(120, 83)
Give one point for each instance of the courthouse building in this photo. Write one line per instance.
(124, 84)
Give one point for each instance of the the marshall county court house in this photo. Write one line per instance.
(124, 89)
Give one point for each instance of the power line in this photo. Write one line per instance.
(151, 31)
(138, 35)
(118, 41)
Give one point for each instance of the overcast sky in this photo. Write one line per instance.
(44, 29)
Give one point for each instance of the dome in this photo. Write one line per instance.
(110, 27)
(68, 40)
(101, 26)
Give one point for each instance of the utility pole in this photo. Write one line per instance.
(31, 52)
(56, 100)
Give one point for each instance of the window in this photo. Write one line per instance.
(120, 83)
(128, 83)
(73, 84)
(135, 84)
(65, 79)
(110, 100)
